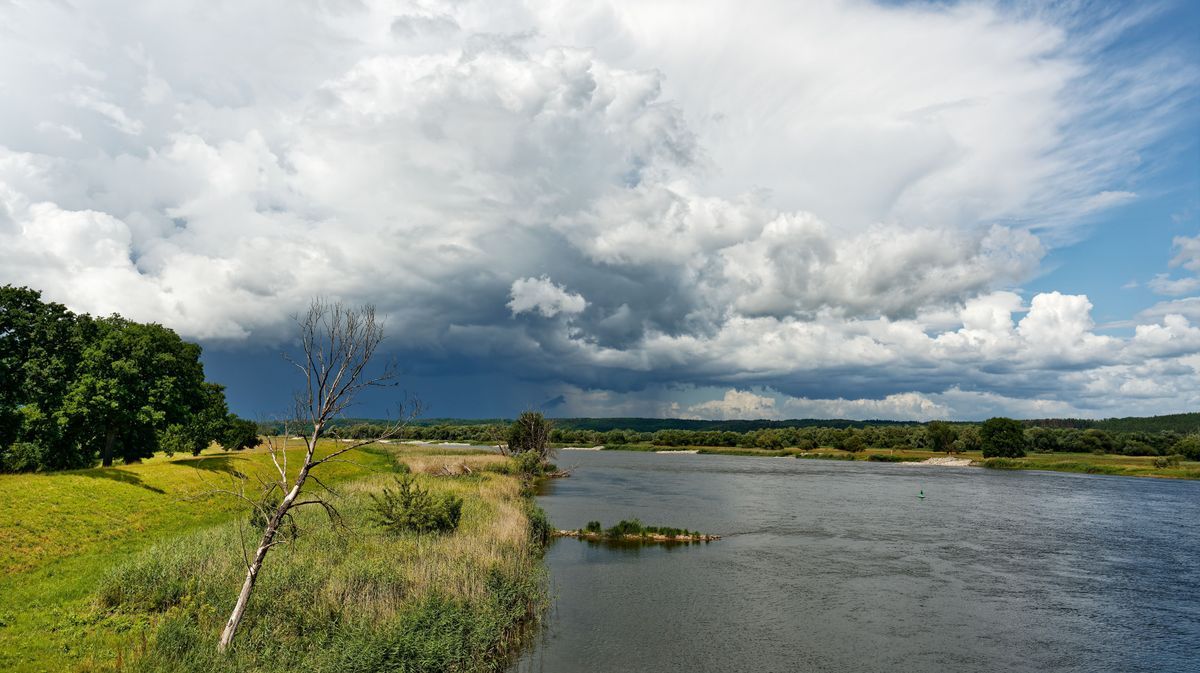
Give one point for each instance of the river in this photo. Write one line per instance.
(838, 566)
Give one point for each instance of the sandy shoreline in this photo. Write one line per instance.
(943, 461)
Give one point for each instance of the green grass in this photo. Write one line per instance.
(65, 536)
(1087, 463)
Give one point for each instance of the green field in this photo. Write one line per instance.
(1086, 463)
(82, 550)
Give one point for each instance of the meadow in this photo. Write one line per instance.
(135, 568)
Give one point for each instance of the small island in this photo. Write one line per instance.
(635, 531)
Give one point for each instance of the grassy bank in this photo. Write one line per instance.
(127, 569)
(1085, 463)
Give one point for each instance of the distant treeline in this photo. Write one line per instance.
(1181, 423)
(936, 436)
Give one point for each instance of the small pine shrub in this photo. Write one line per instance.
(412, 508)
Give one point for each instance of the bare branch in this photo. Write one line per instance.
(339, 343)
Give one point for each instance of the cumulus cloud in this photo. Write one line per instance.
(544, 297)
(736, 404)
(844, 227)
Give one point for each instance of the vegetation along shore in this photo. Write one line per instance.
(1163, 446)
(131, 568)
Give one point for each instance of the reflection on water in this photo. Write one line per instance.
(840, 567)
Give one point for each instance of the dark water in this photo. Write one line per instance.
(831, 566)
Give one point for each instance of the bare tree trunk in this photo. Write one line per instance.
(110, 438)
(268, 540)
(338, 344)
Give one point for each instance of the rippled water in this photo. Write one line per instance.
(830, 566)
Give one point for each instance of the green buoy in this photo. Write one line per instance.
(921, 494)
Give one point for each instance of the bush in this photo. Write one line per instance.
(528, 463)
(411, 508)
(1172, 460)
(239, 434)
(539, 525)
(22, 457)
(1003, 464)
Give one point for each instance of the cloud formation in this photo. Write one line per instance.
(544, 297)
(582, 194)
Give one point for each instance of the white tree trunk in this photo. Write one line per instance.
(239, 609)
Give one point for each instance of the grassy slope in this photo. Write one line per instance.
(60, 534)
(1129, 466)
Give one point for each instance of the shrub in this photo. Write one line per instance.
(239, 434)
(625, 528)
(412, 508)
(593, 527)
(539, 525)
(1172, 460)
(22, 457)
(1003, 464)
(529, 463)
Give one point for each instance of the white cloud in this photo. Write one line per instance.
(544, 297)
(1189, 253)
(1164, 284)
(1188, 257)
(803, 209)
(736, 404)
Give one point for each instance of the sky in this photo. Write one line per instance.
(826, 209)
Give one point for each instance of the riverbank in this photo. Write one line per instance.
(636, 537)
(1083, 463)
(128, 568)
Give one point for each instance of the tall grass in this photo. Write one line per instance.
(357, 597)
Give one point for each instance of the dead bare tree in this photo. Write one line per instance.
(339, 343)
(530, 432)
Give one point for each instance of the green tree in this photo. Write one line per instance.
(41, 345)
(135, 381)
(1042, 439)
(1002, 437)
(941, 436)
(853, 442)
(1189, 446)
(204, 425)
(530, 433)
(239, 434)
(968, 439)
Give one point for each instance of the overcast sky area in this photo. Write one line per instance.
(708, 210)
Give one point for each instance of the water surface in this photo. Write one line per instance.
(832, 566)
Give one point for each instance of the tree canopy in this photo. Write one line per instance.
(941, 436)
(75, 388)
(1003, 438)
